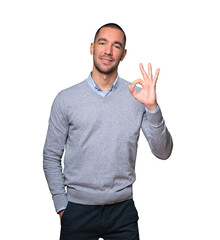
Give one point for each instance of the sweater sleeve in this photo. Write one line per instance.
(157, 134)
(53, 152)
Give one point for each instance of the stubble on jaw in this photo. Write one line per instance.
(109, 71)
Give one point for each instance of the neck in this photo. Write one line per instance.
(104, 81)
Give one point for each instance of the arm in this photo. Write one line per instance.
(153, 125)
(53, 152)
(157, 134)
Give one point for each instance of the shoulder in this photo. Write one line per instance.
(127, 83)
(70, 94)
(72, 91)
(124, 88)
(125, 94)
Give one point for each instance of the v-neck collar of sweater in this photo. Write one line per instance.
(114, 90)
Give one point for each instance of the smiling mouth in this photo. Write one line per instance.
(106, 60)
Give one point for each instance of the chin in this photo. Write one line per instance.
(105, 70)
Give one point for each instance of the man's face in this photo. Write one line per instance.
(108, 50)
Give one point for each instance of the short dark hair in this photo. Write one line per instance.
(111, 25)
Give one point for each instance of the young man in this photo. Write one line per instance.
(98, 122)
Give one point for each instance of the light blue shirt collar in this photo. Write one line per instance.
(98, 90)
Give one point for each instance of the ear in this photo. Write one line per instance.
(91, 48)
(124, 54)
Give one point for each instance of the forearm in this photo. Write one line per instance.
(157, 134)
(53, 151)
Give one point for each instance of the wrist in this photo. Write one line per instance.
(61, 213)
(151, 107)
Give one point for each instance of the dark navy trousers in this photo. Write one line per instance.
(91, 222)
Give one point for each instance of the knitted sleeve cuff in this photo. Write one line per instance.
(155, 117)
(60, 202)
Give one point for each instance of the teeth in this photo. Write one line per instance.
(107, 61)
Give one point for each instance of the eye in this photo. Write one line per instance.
(117, 46)
(101, 43)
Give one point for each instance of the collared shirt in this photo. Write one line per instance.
(99, 91)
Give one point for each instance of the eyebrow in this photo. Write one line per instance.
(102, 39)
(105, 40)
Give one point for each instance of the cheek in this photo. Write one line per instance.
(97, 54)
(119, 56)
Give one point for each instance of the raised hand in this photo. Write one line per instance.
(147, 95)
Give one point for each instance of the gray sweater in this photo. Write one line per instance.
(100, 139)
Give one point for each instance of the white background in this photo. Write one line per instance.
(44, 48)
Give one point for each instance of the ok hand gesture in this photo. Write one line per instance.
(147, 95)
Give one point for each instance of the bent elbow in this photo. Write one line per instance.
(165, 153)
(165, 157)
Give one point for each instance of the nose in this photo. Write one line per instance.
(108, 49)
